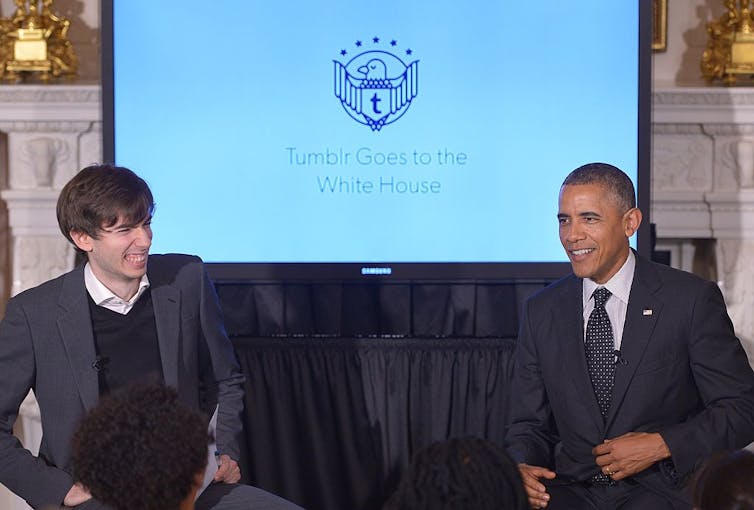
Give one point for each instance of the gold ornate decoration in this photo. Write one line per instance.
(34, 41)
(659, 25)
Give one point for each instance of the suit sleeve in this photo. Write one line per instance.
(725, 384)
(530, 436)
(226, 373)
(26, 475)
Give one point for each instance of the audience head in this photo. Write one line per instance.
(460, 474)
(726, 482)
(99, 196)
(141, 448)
(597, 215)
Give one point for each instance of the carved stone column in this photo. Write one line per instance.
(50, 132)
(703, 185)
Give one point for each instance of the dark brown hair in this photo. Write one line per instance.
(99, 196)
(726, 482)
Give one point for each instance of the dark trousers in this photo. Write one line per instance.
(621, 496)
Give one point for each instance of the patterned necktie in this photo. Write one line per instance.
(600, 350)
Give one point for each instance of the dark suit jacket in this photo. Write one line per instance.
(46, 344)
(684, 375)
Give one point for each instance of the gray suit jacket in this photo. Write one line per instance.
(47, 344)
(683, 374)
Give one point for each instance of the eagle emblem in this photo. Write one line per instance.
(376, 87)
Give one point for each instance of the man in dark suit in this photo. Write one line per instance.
(628, 373)
(124, 317)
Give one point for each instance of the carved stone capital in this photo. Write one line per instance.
(38, 259)
(703, 105)
(23, 126)
(681, 162)
(50, 102)
(50, 94)
(679, 215)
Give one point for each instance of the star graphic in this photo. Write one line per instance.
(393, 42)
(375, 39)
(343, 52)
(358, 43)
(409, 52)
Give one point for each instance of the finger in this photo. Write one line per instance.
(533, 487)
(546, 473)
(532, 483)
(604, 460)
(222, 472)
(538, 472)
(538, 500)
(232, 477)
(602, 449)
(621, 473)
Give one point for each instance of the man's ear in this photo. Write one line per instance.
(82, 239)
(631, 221)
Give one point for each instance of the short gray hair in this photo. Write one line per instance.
(612, 178)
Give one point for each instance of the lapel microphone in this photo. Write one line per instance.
(101, 362)
(619, 359)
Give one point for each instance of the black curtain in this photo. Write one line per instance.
(344, 382)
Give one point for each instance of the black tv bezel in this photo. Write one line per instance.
(409, 271)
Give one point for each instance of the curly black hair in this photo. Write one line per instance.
(460, 474)
(140, 448)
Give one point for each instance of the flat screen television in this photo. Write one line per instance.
(373, 140)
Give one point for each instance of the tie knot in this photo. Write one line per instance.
(601, 296)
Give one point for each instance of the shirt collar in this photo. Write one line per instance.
(102, 296)
(619, 285)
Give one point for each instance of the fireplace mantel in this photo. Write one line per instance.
(703, 184)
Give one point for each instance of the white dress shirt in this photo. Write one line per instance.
(620, 287)
(102, 296)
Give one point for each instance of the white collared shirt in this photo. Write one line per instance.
(620, 287)
(104, 297)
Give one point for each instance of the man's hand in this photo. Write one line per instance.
(227, 470)
(630, 453)
(76, 495)
(537, 493)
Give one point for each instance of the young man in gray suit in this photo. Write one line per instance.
(123, 317)
(628, 374)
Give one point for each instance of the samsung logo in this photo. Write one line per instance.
(376, 270)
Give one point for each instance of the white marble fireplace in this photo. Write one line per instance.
(703, 187)
(48, 133)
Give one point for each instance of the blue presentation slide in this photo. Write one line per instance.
(354, 131)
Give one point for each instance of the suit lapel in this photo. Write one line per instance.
(167, 307)
(572, 346)
(75, 328)
(641, 317)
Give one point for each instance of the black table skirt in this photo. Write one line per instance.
(331, 423)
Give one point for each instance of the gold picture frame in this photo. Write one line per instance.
(659, 25)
